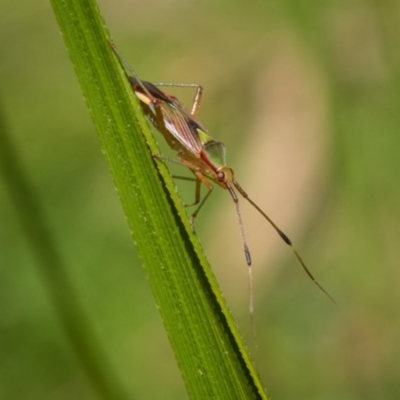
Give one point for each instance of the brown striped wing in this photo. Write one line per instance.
(176, 119)
(182, 126)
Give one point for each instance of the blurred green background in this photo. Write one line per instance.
(306, 98)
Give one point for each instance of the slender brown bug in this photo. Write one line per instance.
(199, 152)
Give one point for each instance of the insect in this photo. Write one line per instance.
(199, 152)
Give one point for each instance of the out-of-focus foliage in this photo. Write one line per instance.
(307, 100)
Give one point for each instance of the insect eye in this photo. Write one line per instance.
(221, 176)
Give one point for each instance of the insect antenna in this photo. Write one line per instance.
(248, 261)
(284, 238)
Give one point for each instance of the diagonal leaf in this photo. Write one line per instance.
(208, 348)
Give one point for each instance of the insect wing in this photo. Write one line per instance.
(175, 118)
(182, 126)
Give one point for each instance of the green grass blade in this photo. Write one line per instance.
(208, 348)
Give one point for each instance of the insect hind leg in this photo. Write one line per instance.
(197, 96)
(197, 190)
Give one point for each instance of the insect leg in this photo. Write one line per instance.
(123, 62)
(201, 179)
(197, 190)
(130, 72)
(167, 159)
(197, 193)
(197, 97)
(196, 100)
(185, 178)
